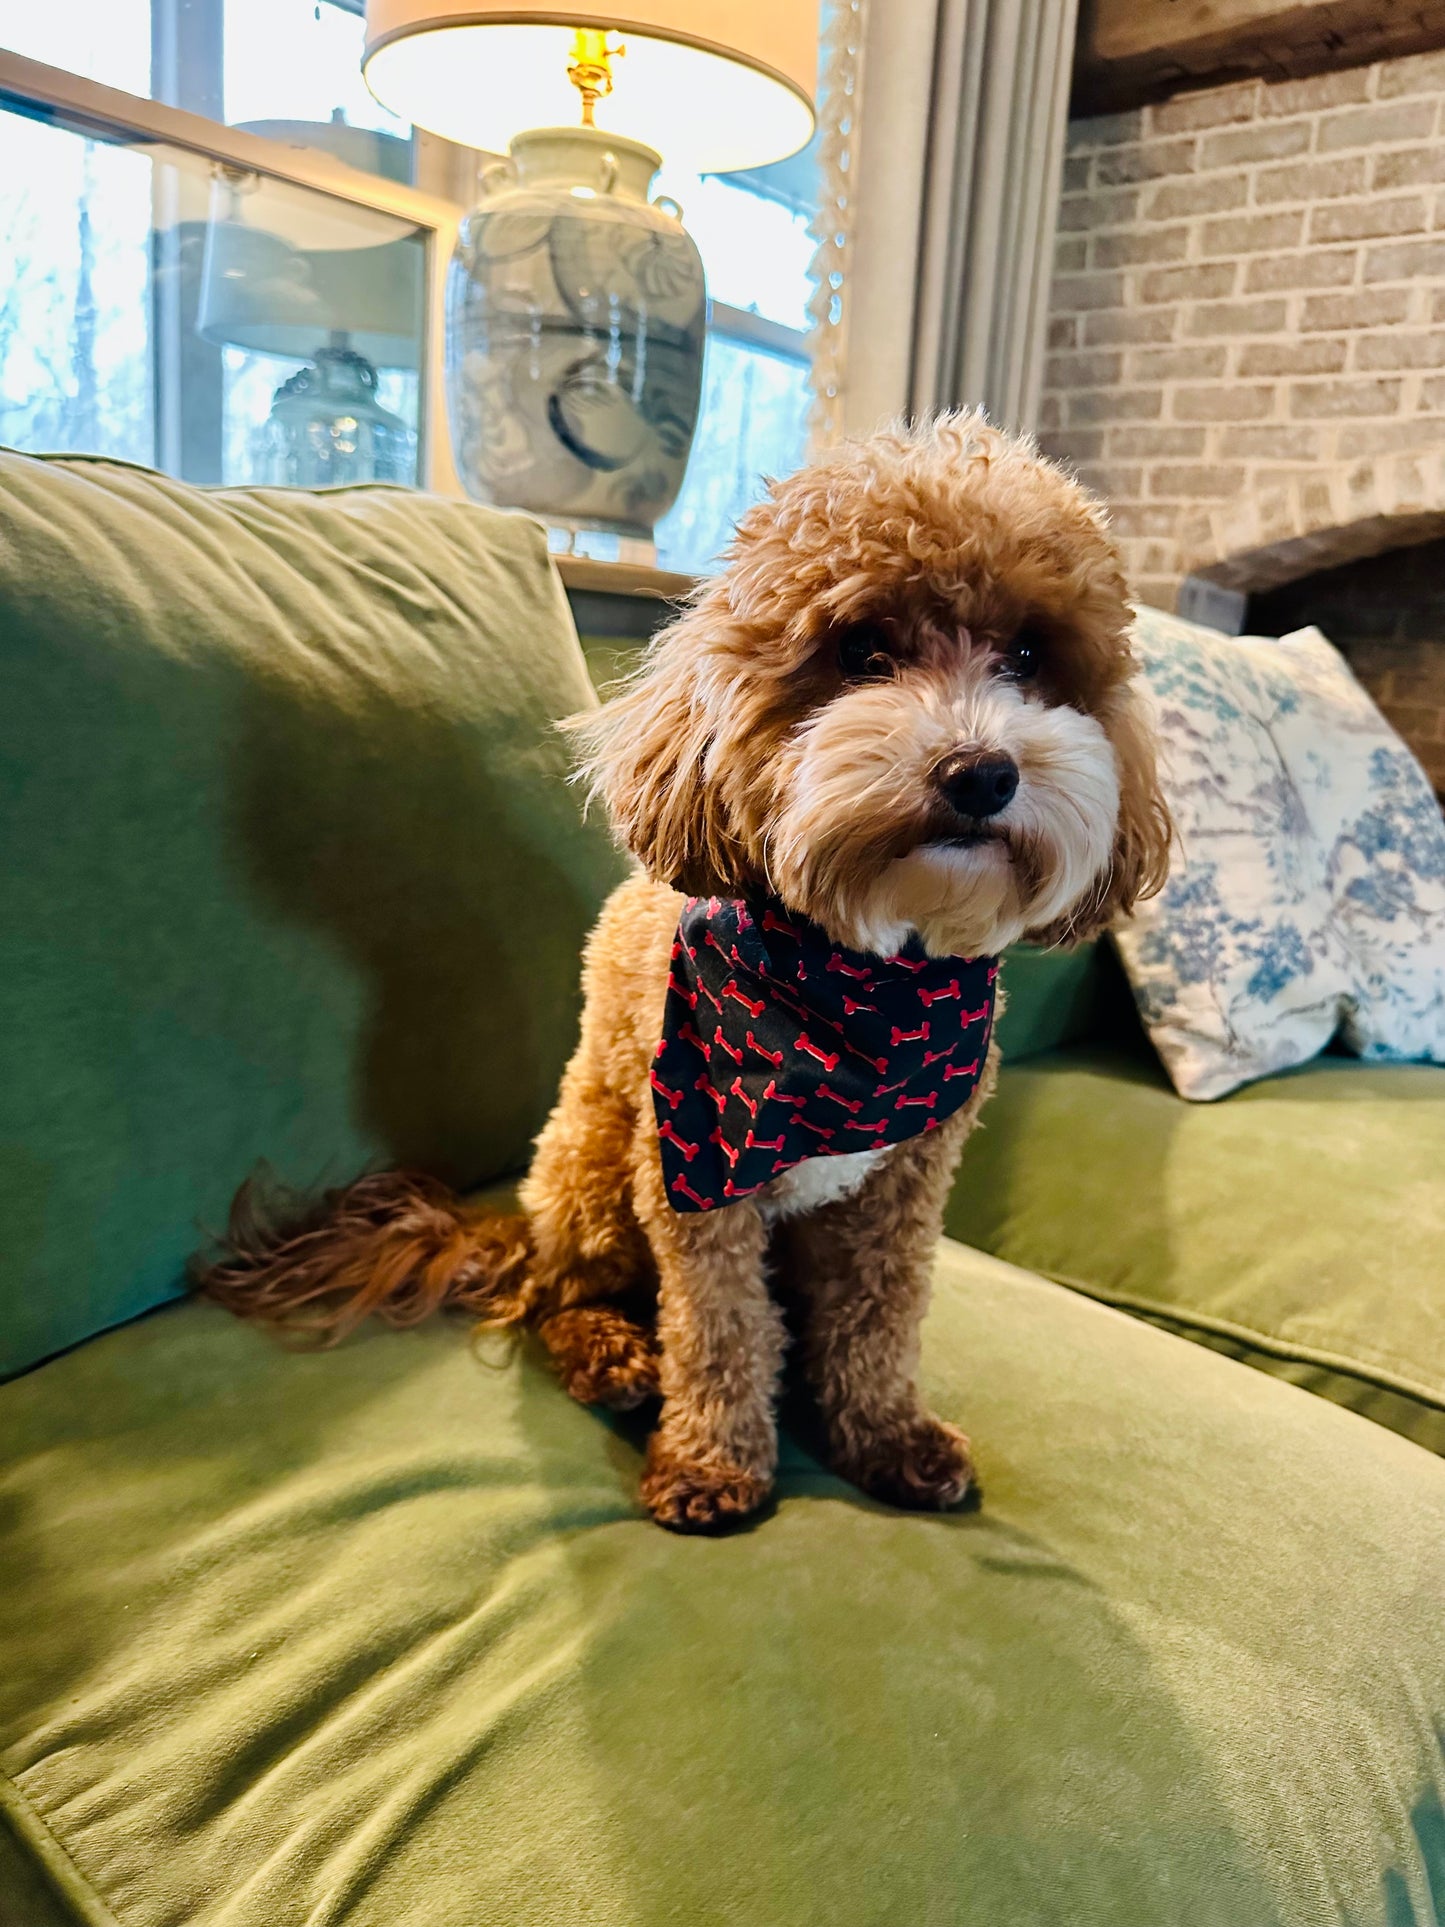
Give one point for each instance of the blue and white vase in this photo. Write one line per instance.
(576, 319)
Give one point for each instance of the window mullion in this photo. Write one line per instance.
(187, 70)
(187, 55)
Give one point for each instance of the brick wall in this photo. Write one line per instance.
(1247, 326)
(1387, 612)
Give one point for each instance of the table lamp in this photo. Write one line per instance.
(288, 272)
(576, 306)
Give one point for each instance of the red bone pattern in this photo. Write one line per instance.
(730, 989)
(685, 1190)
(849, 1103)
(830, 1060)
(928, 998)
(772, 1095)
(709, 1089)
(740, 1191)
(716, 1137)
(719, 961)
(689, 1151)
(774, 1057)
(729, 955)
(674, 1098)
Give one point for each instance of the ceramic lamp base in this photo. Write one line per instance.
(576, 321)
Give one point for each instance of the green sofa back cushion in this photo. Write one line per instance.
(290, 867)
(1053, 997)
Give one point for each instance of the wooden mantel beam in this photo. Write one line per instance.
(1130, 51)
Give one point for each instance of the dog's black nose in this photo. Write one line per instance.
(979, 785)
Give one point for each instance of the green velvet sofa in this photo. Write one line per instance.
(380, 1635)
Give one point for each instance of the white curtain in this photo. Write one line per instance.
(956, 157)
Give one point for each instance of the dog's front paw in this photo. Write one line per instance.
(923, 1464)
(691, 1495)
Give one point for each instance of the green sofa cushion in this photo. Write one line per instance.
(1299, 1222)
(381, 1636)
(1052, 998)
(290, 868)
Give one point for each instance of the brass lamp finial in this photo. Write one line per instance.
(590, 68)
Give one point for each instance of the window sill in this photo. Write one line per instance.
(585, 574)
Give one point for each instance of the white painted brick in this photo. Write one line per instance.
(1365, 220)
(1377, 126)
(1255, 333)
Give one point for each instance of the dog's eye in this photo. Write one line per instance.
(865, 652)
(1024, 656)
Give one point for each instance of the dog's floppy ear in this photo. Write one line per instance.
(1140, 865)
(646, 754)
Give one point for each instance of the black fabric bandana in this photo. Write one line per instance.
(778, 1045)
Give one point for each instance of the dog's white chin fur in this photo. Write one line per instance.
(962, 902)
(1047, 853)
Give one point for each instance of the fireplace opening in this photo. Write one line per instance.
(1386, 614)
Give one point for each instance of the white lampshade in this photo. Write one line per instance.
(712, 87)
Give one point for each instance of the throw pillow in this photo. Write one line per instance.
(1306, 895)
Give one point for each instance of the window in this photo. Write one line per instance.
(238, 61)
(156, 305)
(752, 230)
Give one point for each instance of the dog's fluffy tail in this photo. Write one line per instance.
(396, 1243)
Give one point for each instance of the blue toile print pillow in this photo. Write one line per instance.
(1306, 894)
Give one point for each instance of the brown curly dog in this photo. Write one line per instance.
(905, 715)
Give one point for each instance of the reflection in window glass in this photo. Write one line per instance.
(250, 451)
(754, 423)
(223, 327)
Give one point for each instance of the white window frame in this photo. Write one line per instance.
(756, 331)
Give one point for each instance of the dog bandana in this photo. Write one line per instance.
(778, 1045)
